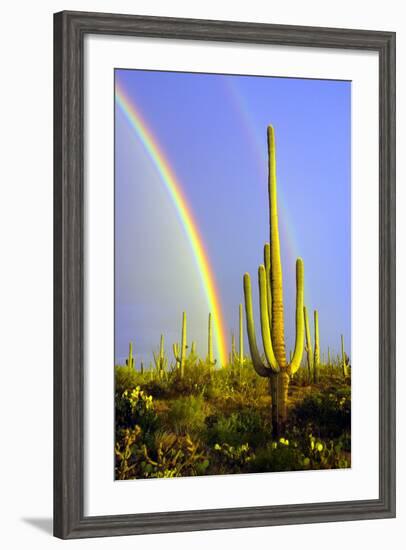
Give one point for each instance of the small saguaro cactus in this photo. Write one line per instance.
(210, 357)
(233, 353)
(316, 370)
(343, 358)
(130, 362)
(142, 367)
(276, 366)
(160, 359)
(180, 353)
(193, 350)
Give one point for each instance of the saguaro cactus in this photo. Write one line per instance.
(192, 350)
(210, 355)
(180, 354)
(309, 347)
(130, 362)
(343, 357)
(275, 367)
(161, 361)
(316, 371)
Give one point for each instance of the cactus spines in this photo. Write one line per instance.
(180, 353)
(316, 370)
(130, 362)
(276, 367)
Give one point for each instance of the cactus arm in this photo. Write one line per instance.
(309, 349)
(265, 330)
(175, 348)
(267, 263)
(278, 323)
(259, 367)
(241, 336)
(299, 341)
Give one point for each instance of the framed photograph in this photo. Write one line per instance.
(224, 269)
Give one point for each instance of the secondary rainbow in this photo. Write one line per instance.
(174, 188)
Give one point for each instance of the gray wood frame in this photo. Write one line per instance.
(69, 31)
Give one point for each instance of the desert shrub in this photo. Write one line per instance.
(243, 426)
(327, 415)
(187, 414)
(278, 456)
(173, 456)
(125, 452)
(157, 387)
(229, 459)
(196, 378)
(126, 378)
(135, 408)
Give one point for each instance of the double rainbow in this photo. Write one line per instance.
(174, 188)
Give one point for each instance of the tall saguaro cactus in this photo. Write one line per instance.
(275, 367)
(180, 353)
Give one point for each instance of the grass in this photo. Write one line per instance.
(218, 421)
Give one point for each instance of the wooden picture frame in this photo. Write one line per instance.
(70, 29)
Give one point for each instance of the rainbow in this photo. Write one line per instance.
(173, 186)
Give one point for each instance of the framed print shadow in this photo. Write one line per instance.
(224, 274)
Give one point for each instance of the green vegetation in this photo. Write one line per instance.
(219, 421)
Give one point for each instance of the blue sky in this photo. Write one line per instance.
(212, 129)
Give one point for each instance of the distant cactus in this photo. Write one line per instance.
(142, 367)
(344, 362)
(160, 359)
(130, 362)
(193, 350)
(180, 353)
(276, 367)
(233, 354)
(210, 356)
(328, 358)
(316, 370)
